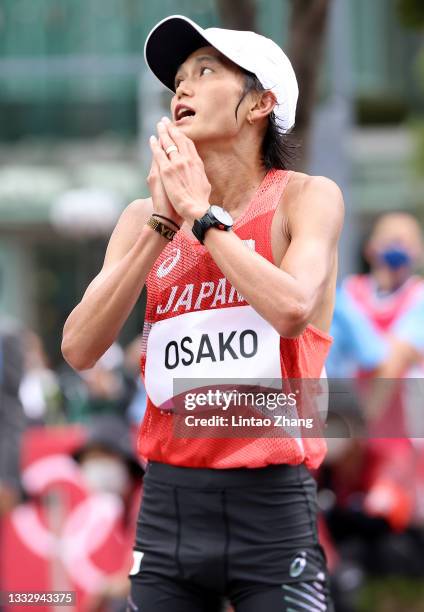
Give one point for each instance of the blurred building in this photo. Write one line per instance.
(77, 106)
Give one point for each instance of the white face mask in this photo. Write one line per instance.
(105, 474)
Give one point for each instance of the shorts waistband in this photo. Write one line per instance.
(234, 477)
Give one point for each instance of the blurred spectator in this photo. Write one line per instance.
(379, 317)
(349, 352)
(76, 529)
(107, 459)
(372, 485)
(12, 418)
(137, 406)
(39, 390)
(109, 465)
(100, 390)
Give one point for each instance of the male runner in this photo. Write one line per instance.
(244, 288)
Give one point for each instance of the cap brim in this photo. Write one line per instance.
(168, 46)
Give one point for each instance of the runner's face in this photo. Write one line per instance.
(211, 86)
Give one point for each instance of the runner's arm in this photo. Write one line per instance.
(96, 321)
(287, 297)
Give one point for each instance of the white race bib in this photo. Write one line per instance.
(226, 343)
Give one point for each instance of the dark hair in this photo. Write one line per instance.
(279, 150)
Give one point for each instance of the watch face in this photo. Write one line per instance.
(222, 215)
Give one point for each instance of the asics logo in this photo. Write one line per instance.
(169, 263)
(173, 258)
(298, 565)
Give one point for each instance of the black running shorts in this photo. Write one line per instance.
(244, 536)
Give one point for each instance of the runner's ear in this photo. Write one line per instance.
(263, 105)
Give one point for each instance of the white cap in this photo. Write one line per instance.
(173, 39)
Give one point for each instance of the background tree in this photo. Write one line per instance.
(237, 14)
(307, 34)
(411, 13)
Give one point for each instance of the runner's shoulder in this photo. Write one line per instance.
(305, 194)
(301, 184)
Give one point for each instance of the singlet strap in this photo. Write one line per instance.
(267, 197)
(258, 218)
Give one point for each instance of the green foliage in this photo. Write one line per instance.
(379, 110)
(411, 13)
(419, 68)
(417, 129)
(392, 595)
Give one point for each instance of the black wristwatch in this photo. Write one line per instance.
(217, 217)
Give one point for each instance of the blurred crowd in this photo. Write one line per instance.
(372, 482)
(70, 479)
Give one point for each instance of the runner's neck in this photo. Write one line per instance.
(233, 180)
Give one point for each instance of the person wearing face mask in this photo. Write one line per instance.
(106, 458)
(105, 471)
(378, 331)
(109, 467)
(378, 324)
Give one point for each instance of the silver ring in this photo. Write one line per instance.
(171, 148)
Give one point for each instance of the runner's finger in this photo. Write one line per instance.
(184, 144)
(165, 139)
(158, 153)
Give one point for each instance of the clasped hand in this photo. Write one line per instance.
(181, 173)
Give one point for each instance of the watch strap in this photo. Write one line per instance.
(202, 225)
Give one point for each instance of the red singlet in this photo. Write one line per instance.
(197, 326)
